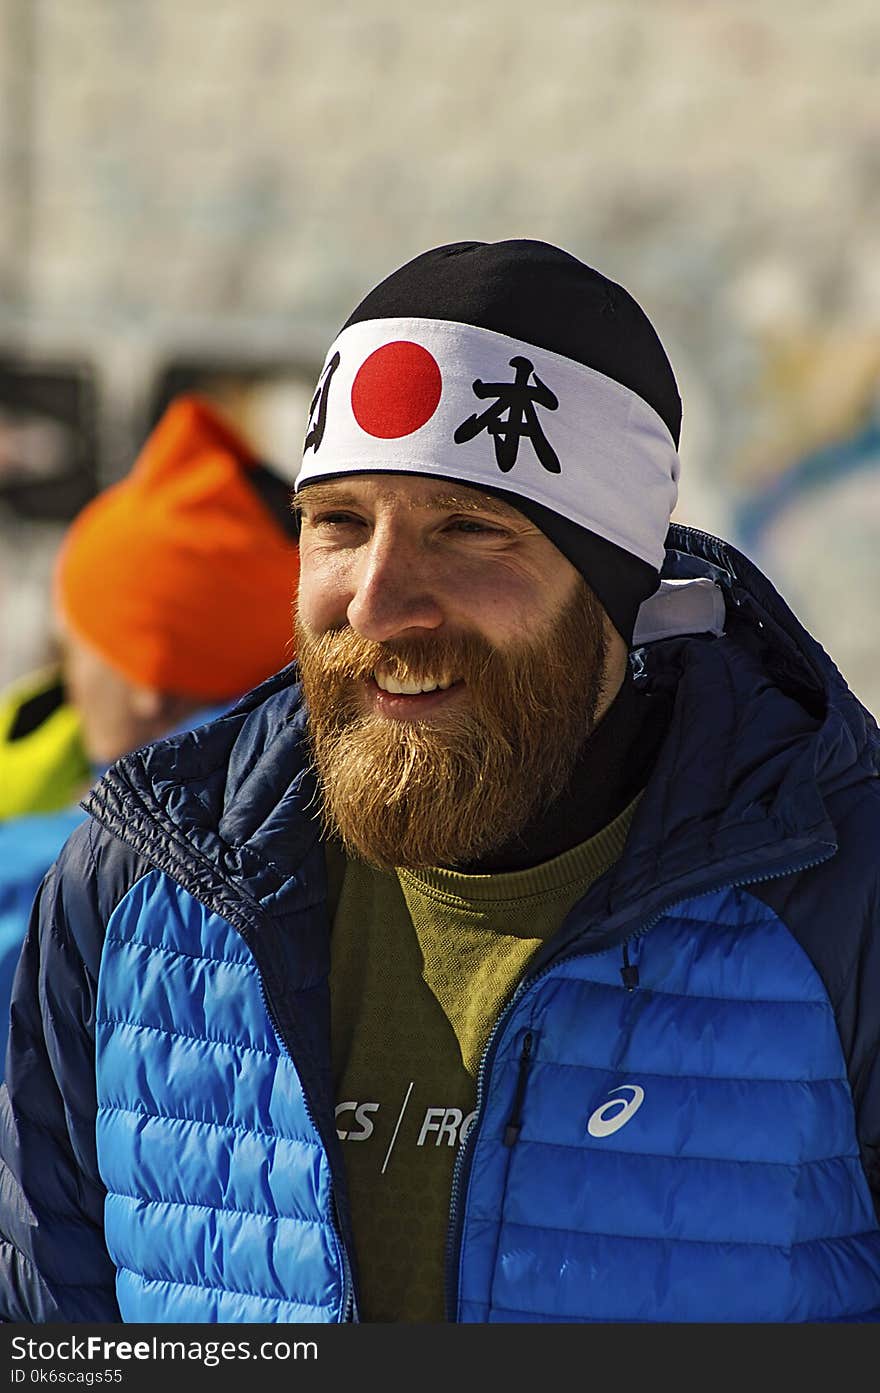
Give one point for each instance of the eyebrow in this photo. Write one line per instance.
(330, 495)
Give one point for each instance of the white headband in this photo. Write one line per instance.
(433, 397)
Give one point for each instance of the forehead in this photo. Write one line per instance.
(402, 490)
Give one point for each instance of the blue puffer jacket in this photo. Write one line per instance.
(678, 1110)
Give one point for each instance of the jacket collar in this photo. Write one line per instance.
(763, 730)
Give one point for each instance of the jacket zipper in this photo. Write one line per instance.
(461, 1169)
(349, 1309)
(514, 1126)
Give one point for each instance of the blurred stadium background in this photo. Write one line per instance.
(196, 192)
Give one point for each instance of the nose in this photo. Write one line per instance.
(394, 593)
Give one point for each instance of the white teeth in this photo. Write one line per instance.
(410, 688)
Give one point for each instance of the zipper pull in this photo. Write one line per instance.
(629, 972)
(512, 1130)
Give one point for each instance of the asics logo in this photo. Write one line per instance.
(616, 1113)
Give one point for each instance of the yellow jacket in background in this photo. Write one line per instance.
(43, 765)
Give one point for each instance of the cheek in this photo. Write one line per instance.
(508, 609)
(323, 595)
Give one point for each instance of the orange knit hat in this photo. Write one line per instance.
(179, 576)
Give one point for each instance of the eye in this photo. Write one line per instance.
(331, 520)
(476, 527)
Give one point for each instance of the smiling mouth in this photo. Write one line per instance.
(396, 686)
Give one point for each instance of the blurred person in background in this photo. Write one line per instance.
(514, 955)
(173, 596)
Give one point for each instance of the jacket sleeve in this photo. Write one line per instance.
(833, 911)
(54, 1264)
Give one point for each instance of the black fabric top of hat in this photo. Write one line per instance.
(538, 293)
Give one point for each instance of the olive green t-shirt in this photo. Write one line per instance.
(422, 963)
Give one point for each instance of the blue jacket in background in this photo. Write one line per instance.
(678, 1112)
(28, 846)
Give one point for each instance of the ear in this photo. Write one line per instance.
(147, 703)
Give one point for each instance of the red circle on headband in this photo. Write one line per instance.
(396, 390)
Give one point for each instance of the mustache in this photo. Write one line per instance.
(344, 654)
(444, 792)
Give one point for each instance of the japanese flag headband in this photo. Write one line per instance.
(449, 392)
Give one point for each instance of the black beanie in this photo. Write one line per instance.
(411, 341)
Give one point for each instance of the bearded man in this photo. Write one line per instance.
(514, 955)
